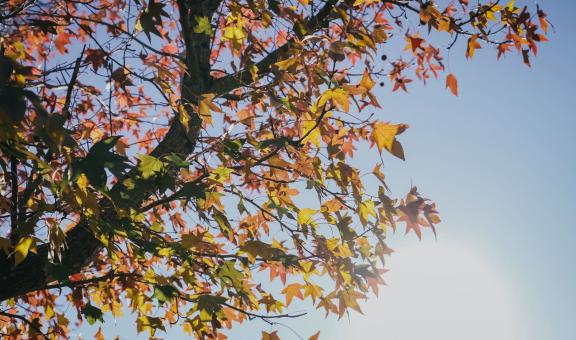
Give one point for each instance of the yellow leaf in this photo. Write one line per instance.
(206, 106)
(338, 96)
(285, 64)
(312, 131)
(367, 81)
(332, 243)
(184, 117)
(305, 216)
(187, 328)
(25, 245)
(203, 25)
(365, 210)
(82, 183)
(444, 24)
(384, 135)
(254, 72)
(48, 312)
(312, 290)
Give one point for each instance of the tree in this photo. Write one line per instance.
(155, 155)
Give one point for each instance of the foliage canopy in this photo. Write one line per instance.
(155, 154)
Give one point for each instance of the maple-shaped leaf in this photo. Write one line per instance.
(203, 25)
(149, 166)
(62, 41)
(384, 135)
(96, 57)
(152, 17)
(270, 336)
(120, 76)
(291, 291)
(400, 83)
(348, 298)
(338, 96)
(412, 211)
(366, 82)
(92, 314)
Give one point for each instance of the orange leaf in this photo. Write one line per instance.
(452, 84)
(315, 336)
(270, 336)
(291, 291)
(472, 46)
(61, 41)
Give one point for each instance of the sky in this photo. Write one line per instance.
(499, 162)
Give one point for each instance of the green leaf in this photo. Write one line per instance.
(177, 160)
(223, 222)
(192, 189)
(101, 157)
(150, 324)
(228, 274)
(149, 166)
(164, 293)
(209, 305)
(92, 314)
(152, 17)
(203, 25)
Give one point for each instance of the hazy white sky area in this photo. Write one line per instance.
(438, 292)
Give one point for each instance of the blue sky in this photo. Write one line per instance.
(499, 161)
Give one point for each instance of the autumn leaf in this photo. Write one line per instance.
(203, 25)
(291, 291)
(197, 164)
(452, 84)
(149, 166)
(338, 96)
(366, 82)
(206, 106)
(99, 335)
(285, 64)
(24, 246)
(305, 216)
(62, 41)
(316, 336)
(270, 336)
(96, 57)
(472, 46)
(384, 135)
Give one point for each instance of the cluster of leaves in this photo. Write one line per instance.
(157, 156)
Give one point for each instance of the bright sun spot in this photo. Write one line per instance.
(437, 293)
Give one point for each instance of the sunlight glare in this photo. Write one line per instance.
(436, 292)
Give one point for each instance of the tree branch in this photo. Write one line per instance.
(230, 82)
(33, 273)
